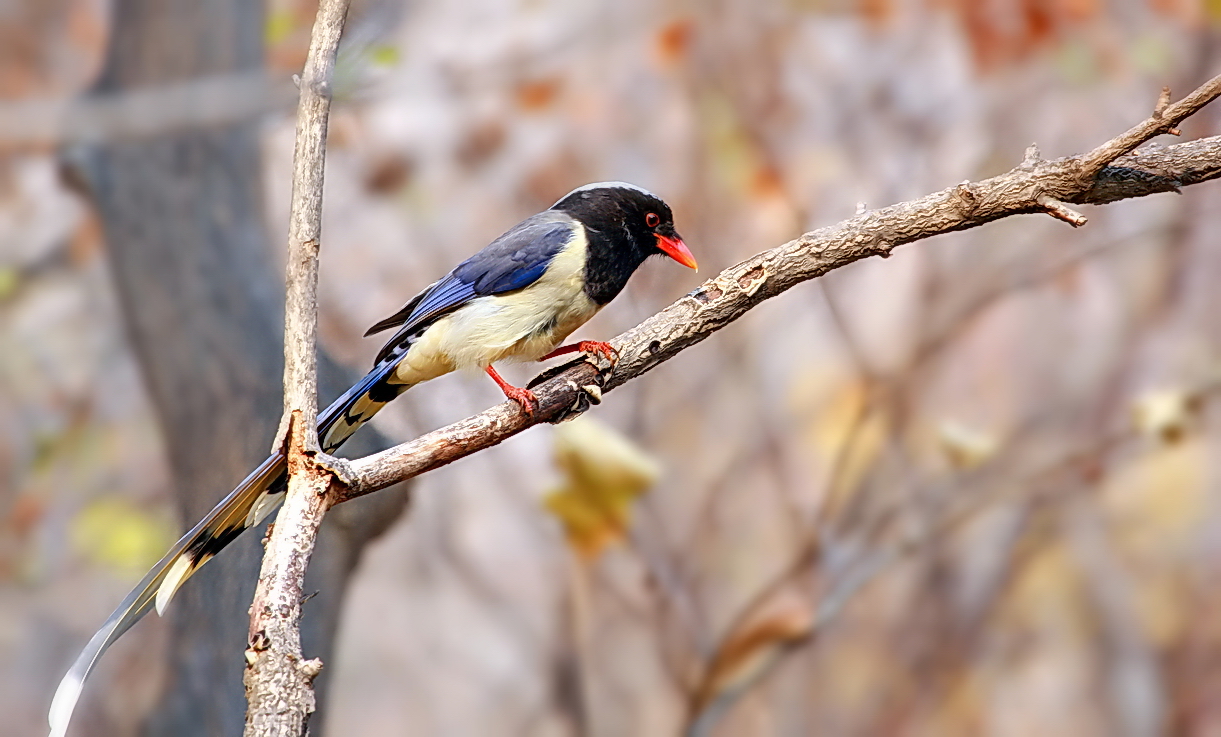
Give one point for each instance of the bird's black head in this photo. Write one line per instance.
(625, 225)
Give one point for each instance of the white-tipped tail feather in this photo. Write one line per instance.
(263, 507)
(178, 572)
(64, 702)
(255, 498)
(223, 523)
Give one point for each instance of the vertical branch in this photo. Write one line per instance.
(279, 681)
(305, 221)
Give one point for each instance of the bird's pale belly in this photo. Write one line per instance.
(524, 325)
(513, 327)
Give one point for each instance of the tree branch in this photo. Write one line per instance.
(1035, 186)
(278, 679)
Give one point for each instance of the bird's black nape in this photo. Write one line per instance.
(622, 222)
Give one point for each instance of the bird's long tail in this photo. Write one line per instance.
(244, 507)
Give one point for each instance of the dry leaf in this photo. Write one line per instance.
(537, 94)
(748, 654)
(1165, 414)
(604, 473)
(674, 40)
(965, 447)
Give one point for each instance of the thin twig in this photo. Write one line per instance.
(1164, 119)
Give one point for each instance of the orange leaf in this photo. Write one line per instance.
(674, 39)
(748, 654)
(537, 94)
(604, 473)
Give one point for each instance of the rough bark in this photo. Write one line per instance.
(186, 238)
(279, 680)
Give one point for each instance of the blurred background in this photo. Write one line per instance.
(965, 490)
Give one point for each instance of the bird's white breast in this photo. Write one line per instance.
(523, 325)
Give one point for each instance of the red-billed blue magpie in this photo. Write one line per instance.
(517, 299)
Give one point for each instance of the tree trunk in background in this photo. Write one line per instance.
(184, 228)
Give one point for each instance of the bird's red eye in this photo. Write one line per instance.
(652, 220)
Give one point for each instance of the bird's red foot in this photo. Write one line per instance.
(524, 397)
(586, 346)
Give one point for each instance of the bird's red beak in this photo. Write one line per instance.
(677, 250)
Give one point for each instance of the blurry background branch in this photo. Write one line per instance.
(769, 627)
(1035, 186)
(193, 103)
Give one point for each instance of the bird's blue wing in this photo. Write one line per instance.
(513, 261)
(518, 258)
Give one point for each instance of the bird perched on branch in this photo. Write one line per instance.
(517, 299)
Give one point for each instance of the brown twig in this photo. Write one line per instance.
(1164, 119)
(1163, 101)
(1036, 186)
(278, 679)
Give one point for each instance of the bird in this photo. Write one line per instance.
(515, 300)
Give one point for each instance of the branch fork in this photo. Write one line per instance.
(1090, 167)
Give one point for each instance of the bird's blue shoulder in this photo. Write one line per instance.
(513, 261)
(519, 257)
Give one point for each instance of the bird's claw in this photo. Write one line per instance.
(524, 398)
(588, 347)
(599, 348)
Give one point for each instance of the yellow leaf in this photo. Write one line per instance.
(118, 534)
(1156, 502)
(1046, 592)
(965, 447)
(729, 149)
(9, 281)
(1165, 414)
(604, 473)
(846, 436)
(279, 26)
(384, 55)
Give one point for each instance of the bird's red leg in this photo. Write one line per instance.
(586, 346)
(524, 397)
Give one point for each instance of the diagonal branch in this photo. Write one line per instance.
(1036, 186)
(1165, 119)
